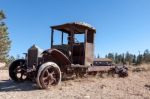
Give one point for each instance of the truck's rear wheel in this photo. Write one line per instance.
(16, 70)
(48, 74)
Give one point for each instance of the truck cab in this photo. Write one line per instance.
(76, 42)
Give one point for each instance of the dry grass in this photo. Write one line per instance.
(136, 86)
(139, 68)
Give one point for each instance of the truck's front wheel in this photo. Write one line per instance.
(48, 74)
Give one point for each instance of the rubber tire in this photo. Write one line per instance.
(42, 68)
(12, 67)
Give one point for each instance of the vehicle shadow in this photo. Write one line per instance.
(9, 85)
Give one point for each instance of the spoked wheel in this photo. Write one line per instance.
(48, 74)
(16, 70)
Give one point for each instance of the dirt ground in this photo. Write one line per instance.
(136, 86)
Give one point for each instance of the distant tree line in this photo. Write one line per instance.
(129, 58)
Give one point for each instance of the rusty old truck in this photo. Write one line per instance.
(72, 56)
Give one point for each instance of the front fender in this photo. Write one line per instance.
(56, 56)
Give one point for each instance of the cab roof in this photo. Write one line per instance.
(75, 27)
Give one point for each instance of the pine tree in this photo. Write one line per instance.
(4, 39)
(98, 56)
(129, 58)
(116, 58)
(106, 56)
(146, 56)
(123, 59)
(11, 59)
(111, 56)
(139, 59)
(2, 15)
(134, 59)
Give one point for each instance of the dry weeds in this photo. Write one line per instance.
(136, 86)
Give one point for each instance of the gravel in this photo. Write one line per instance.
(136, 86)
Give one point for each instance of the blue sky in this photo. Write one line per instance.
(122, 25)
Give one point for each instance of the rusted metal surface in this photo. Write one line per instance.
(100, 68)
(71, 58)
(103, 59)
(121, 70)
(34, 53)
(102, 62)
(79, 53)
(49, 76)
(56, 56)
(17, 70)
(89, 54)
(76, 27)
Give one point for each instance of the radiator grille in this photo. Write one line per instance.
(32, 57)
